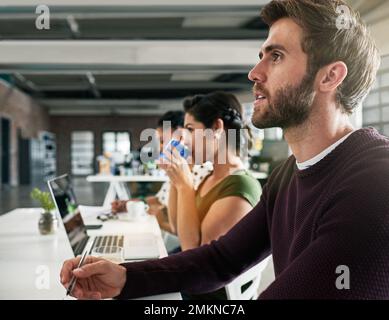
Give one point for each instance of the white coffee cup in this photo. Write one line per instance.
(136, 209)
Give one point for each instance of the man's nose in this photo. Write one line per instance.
(257, 74)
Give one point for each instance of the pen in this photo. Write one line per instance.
(74, 279)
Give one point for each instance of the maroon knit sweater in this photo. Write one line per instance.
(336, 213)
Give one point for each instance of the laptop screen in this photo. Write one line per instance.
(63, 195)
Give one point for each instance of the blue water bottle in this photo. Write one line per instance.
(182, 149)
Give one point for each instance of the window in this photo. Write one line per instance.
(117, 143)
(376, 105)
(82, 150)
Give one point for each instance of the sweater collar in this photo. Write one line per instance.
(316, 159)
(353, 144)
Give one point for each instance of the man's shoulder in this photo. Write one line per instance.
(371, 156)
(365, 167)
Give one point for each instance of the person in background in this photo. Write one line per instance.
(174, 122)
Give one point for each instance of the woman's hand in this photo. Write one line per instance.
(152, 200)
(155, 207)
(177, 169)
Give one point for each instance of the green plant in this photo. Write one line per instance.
(44, 198)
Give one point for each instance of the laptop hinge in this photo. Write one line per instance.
(81, 246)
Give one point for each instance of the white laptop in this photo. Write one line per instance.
(135, 246)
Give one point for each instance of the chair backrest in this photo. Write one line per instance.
(171, 241)
(234, 289)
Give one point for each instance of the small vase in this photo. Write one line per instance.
(48, 223)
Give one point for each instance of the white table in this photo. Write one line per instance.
(118, 187)
(30, 263)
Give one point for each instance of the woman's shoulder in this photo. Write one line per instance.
(241, 177)
(241, 184)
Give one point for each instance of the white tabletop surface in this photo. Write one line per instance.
(30, 263)
(135, 178)
(259, 175)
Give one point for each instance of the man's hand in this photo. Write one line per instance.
(96, 279)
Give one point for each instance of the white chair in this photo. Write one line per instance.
(171, 241)
(234, 289)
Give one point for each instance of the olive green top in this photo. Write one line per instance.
(239, 184)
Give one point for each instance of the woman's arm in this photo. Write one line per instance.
(188, 223)
(160, 212)
(182, 206)
(172, 209)
(163, 219)
(222, 216)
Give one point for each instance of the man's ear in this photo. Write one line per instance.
(332, 76)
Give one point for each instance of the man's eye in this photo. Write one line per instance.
(275, 56)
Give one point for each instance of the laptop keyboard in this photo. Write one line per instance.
(138, 247)
(108, 241)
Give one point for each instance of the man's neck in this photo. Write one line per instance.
(317, 134)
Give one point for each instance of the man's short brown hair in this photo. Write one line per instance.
(327, 39)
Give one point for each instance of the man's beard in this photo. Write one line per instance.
(291, 106)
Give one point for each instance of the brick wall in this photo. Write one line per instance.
(63, 126)
(25, 114)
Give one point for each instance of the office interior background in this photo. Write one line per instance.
(104, 71)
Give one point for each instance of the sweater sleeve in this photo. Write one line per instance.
(348, 258)
(206, 268)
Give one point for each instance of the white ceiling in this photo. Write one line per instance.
(131, 53)
(129, 57)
